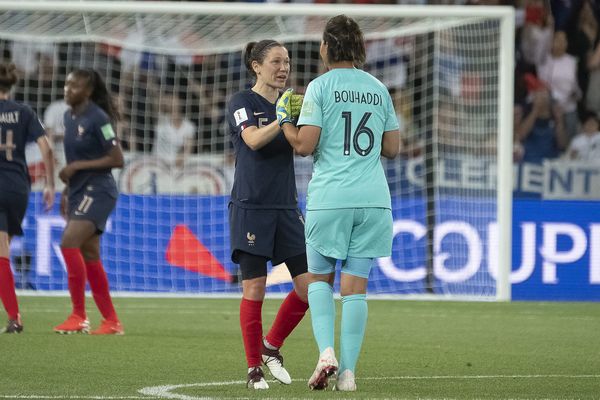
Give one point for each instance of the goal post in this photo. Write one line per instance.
(449, 70)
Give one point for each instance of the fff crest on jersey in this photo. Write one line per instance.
(251, 238)
(80, 130)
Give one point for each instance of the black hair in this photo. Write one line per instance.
(8, 76)
(587, 114)
(344, 41)
(257, 51)
(100, 94)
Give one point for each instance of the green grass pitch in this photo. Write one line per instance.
(192, 348)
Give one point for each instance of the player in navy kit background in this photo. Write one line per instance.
(265, 222)
(91, 150)
(18, 125)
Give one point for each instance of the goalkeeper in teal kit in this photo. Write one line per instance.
(347, 122)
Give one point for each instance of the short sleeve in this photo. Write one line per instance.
(189, 131)
(240, 114)
(35, 129)
(312, 110)
(391, 120)
(54, 118)
(105, 132)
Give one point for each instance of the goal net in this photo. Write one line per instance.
(171, 68)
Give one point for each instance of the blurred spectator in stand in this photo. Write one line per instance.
(137, 88)
(559, 72)
(542, 131)
(123, 127)
(175, 134)
(582, 33)
(451, 64)
(518, 150)
(36, 64)
(29, 56)
(448, 138)
(562, 12)
(55, 127)
(388, 60)
(212, 106)
(592, 98)
(586, 145)
(536, 38)
(412, 142)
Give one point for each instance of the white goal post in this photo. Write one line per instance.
(450, 69)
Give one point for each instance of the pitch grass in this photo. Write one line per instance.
(412, 350)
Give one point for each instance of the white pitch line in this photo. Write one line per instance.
(164, 391)
(33, 396)
(416, 377)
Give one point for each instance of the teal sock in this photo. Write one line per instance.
(354, 322)
(322, 313)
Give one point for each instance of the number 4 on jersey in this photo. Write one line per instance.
(8, 146)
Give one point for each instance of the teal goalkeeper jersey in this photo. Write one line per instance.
(353, 110)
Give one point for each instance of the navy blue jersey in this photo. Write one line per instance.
(18, 125)
(89, 136)
(263, 178)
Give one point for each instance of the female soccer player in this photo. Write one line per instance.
(348, 121)
(90, 195)
(265, 223)
(18, 125)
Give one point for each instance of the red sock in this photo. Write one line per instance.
(76, 278)
(251, 323)
(99, 284)
(290, 314)
(7, 289)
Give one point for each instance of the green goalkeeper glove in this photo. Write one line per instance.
(296, 105)
(284, 108)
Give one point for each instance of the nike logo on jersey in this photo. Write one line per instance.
(258, 113)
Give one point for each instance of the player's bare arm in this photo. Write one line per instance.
(390, 144)
(256, 138)
(113, 159)
(303, 140)
(48, 157)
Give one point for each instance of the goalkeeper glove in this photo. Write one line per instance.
(296, 105)
(283, 108)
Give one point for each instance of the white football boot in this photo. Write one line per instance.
(326, 368)
(256, 379)
(274, 361)
(345, 382)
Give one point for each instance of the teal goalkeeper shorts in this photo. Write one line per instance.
(350, 232)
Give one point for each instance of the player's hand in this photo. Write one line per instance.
(67, 172)
(283, 107)
(48, 196)
(296, 105)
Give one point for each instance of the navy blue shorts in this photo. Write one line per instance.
(13, 206)
(92, 204)
(275, 234)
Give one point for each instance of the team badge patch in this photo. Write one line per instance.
(307, 108)
(108, 132)
(240, 116)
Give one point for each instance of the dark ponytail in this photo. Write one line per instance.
(100, 94)
(8, 76)
(344, 41)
